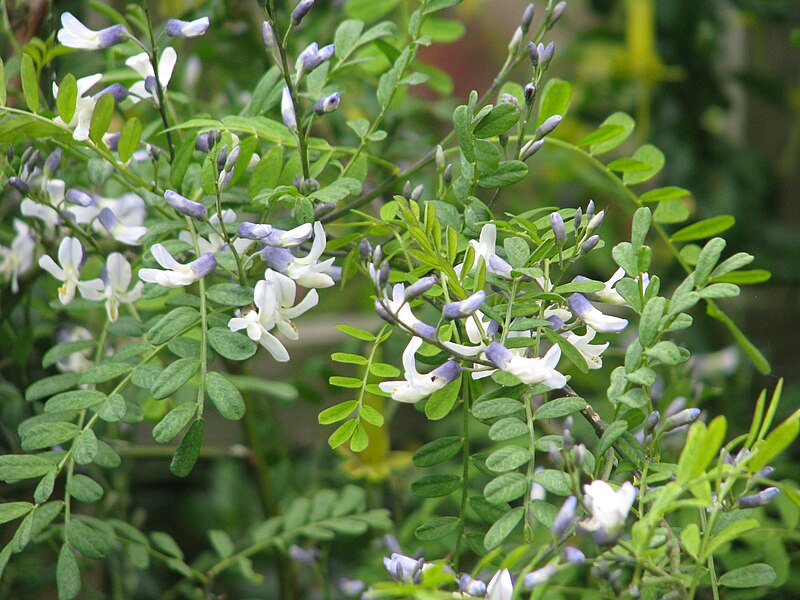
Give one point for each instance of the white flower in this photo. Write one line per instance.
(75, 34)
(485, 248)
(187, 29)
(401, 567)
(595, 319)
(609, 509)
(117, 278)
(18, 259)
(274, 298)
(70, 257)
(308, 271)
(176, 274)
(500, 587)
(611, 296)
(401, 310)
(590, 352)
(417, 385)
(84, 107)
(146, 88)
(529, 370)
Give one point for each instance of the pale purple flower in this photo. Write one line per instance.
(591, 352)
(71, 257)
(416, 385)
(529, 370)
(146, 88)
(185, 206)
(187, 29)
(176, 274)
(595, 319)
(75, 34)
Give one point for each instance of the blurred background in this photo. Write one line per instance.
(714, 83)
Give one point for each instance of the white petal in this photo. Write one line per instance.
(166, 64)
(274, 347)
(163, 257)
(49, 265)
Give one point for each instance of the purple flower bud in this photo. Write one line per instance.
(651, 421)
(222, 157)
(464, 308)
(590, 243)
(185, 206)
(547, 55)
(530, 93)
(684, 417)
(303, 556)
(150, 84)
(205, 141)
(573, 555)
(762, 498)
(287, 110)
(675, 406)
(590, 209)
(18, 184)
(558, 12)
(764, 473)
(377, 255)
(301, 10)
(540, 576)
(417, 192)
(187, 29)
(407, 189)
(579, 455)
(52, 163)
(327, 104)
(565, 516)
(576, 218)
(277, 258)
(253, 231)
(527, 18)
(112, 141)
(473, 587)
(533, 53)
(117, 90)
(548, 126)
(492, 329)
(531, 148)
(419, 287)
(365, 249)
(557, 225)
(555, 455)
(383, 313)
(203, 265)
(557, 322)
(110, 36)
(383, 276)
(567, 439)
(232, 158)
(498, 354)
(76, 196)
(448, 371)
(596, 221)
(267, 35)
(26, 155)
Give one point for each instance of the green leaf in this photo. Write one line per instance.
(226, 398)
(668, 353)
(730, 533)
(690, 538)
(555, 482)
(664, 193)
(68, 576)
(166, 544)
(719, 290)
(60, 351)
(101, 118)
(338, 190)
(750, 576)
(704, 229)
(359, 441)
(45, 435)
(627, 165)
(508, 458)
(188, 450)
(129, 138)
(437, 528)
(173, 422)
(346, 37)
(76, 400)
(85, 447)
(337, 412)
(612, 433)
(435, 486)
(51, 385)
(14, 467)
(437, 5)
(437, 451)
(498, 120)
(505, 488)
(343, 433)
(67, 98)
(14, 510)
(776, 442)
(30, 82)
(230, 294)
(441, 402)
(517, 251)
(356, 332)
(559, 407)
(507, 429)
(497, 407)
(671, 211)
(502, 528)
(345, 382)
(173, 377)
(86, 539)
(231, 345)
(84, 489)
(352, 359)
(555, 99)
(601, 134)
(371, 415)
(652, 157)
(105, 372)
(749, 277)
(651, 319)
(2, 103)
(369, 10)
(172, 324)
(508, 172)
(618, 118)
(462, 126)
(44, 489)
(113, 409)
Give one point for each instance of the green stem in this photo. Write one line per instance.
(160, 91)
(466, 384)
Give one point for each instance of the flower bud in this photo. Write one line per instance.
(577, 218)
(764, 473)
(222, 157)
(558, 12)
(684, 417)
(407, 189)
(81, 198)
(327, 104)
(596, 221)
(762, 498)
(533, 54)
(187, 29)
(573, 555)
(527, 18)
(590, 209)
(448, 174)
(267, 35)
(419, 287)
(579, 455)
(253, 231)
(301, 10)
(464, 308)
(18, 184)
(439, 158)
(52, 162)
(540, 576)
(203, 265)
(377, 255)
(547, 55)
(365, 249)
(185, 206)
(287, 110)
(651, 421)
(557, 225)
(232, 158)
(548, 126)
(530, 93)
(565, 516)
(554, 455)
(531, 148)
(516, 41)
(416, 194)
(590, 243)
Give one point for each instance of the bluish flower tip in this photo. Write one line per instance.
(183, 205)
(464, 308)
